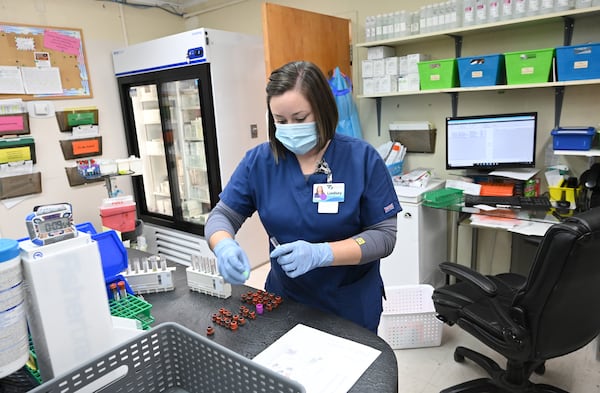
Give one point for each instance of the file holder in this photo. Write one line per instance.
(17, 149)
(69, 119)
(16, 186)
(76, 179)
(14, 124)
(416, 141)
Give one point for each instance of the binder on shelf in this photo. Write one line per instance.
(77, 117)
(14, 124)
(20, 185)
(79, 148)
(17, 149)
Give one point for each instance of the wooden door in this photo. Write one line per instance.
(291, 34)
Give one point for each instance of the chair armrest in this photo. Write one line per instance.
(466, 274)
(512, 331)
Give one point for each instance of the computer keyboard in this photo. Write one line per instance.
(531, 203)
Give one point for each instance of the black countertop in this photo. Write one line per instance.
(194, 310)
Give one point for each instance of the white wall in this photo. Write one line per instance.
(579, 103)
(106, 26)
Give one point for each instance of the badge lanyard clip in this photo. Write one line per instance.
(323, 167)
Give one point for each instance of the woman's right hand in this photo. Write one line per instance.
(232, 261)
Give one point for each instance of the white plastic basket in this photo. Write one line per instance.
(408, 319)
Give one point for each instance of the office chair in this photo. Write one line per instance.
(551, 312)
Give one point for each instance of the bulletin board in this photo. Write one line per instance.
(50, 60)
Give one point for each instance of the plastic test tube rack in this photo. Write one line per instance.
(149, 275)
(203, 276)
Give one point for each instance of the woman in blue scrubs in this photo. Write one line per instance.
(325, 248)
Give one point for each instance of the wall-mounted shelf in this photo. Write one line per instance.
(457, 34)
(487, 88)
(472, 30)
(581, 153)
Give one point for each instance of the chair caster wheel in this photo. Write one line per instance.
(458, 357)
(541, 369)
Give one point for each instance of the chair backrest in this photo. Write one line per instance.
(561, 298)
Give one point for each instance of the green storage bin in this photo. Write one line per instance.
(438, 74)
(528, 66)
(443, 198)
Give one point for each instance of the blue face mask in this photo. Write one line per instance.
(299, 138)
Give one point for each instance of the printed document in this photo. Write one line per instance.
(321, 362)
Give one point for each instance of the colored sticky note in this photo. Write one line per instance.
(61, 42)
(86, 146)
(14, 154)
(11, 123)
(80, 118)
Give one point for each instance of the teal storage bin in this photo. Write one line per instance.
(577, 62)
(486, 70)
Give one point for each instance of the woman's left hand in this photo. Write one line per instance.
(299, 257)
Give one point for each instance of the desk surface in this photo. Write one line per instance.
(194, 311)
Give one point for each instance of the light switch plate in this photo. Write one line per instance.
(40, 109)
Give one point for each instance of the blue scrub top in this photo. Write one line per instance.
(283, 198)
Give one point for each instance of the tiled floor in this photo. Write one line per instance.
(428, 370)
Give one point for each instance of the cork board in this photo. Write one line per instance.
(51, 61)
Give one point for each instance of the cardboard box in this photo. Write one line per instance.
(368, 86)
(367, 68)
(387, 84)
(392, 66)
(68, 310)
(409, 82)
(378, 68)
(380, 52)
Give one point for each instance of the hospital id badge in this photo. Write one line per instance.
(328, 196)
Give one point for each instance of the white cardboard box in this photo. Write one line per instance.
(409, 82)
(387, 84)
(367, 68)
(392, 65)
(380, 52)
(67, 304)
(369, 86)
(378, 68)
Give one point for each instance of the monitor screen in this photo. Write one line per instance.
(491, 141)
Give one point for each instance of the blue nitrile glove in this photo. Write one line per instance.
(299, 257)
(232, 261)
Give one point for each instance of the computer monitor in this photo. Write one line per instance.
(489, 142)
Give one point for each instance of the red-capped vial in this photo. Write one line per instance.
(113, 290)
(122, 290)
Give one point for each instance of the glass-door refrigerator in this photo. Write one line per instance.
(193, 103)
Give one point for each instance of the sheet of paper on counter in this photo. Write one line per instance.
(321, 362)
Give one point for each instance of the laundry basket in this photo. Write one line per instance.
(408, 319)
(170, 358)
